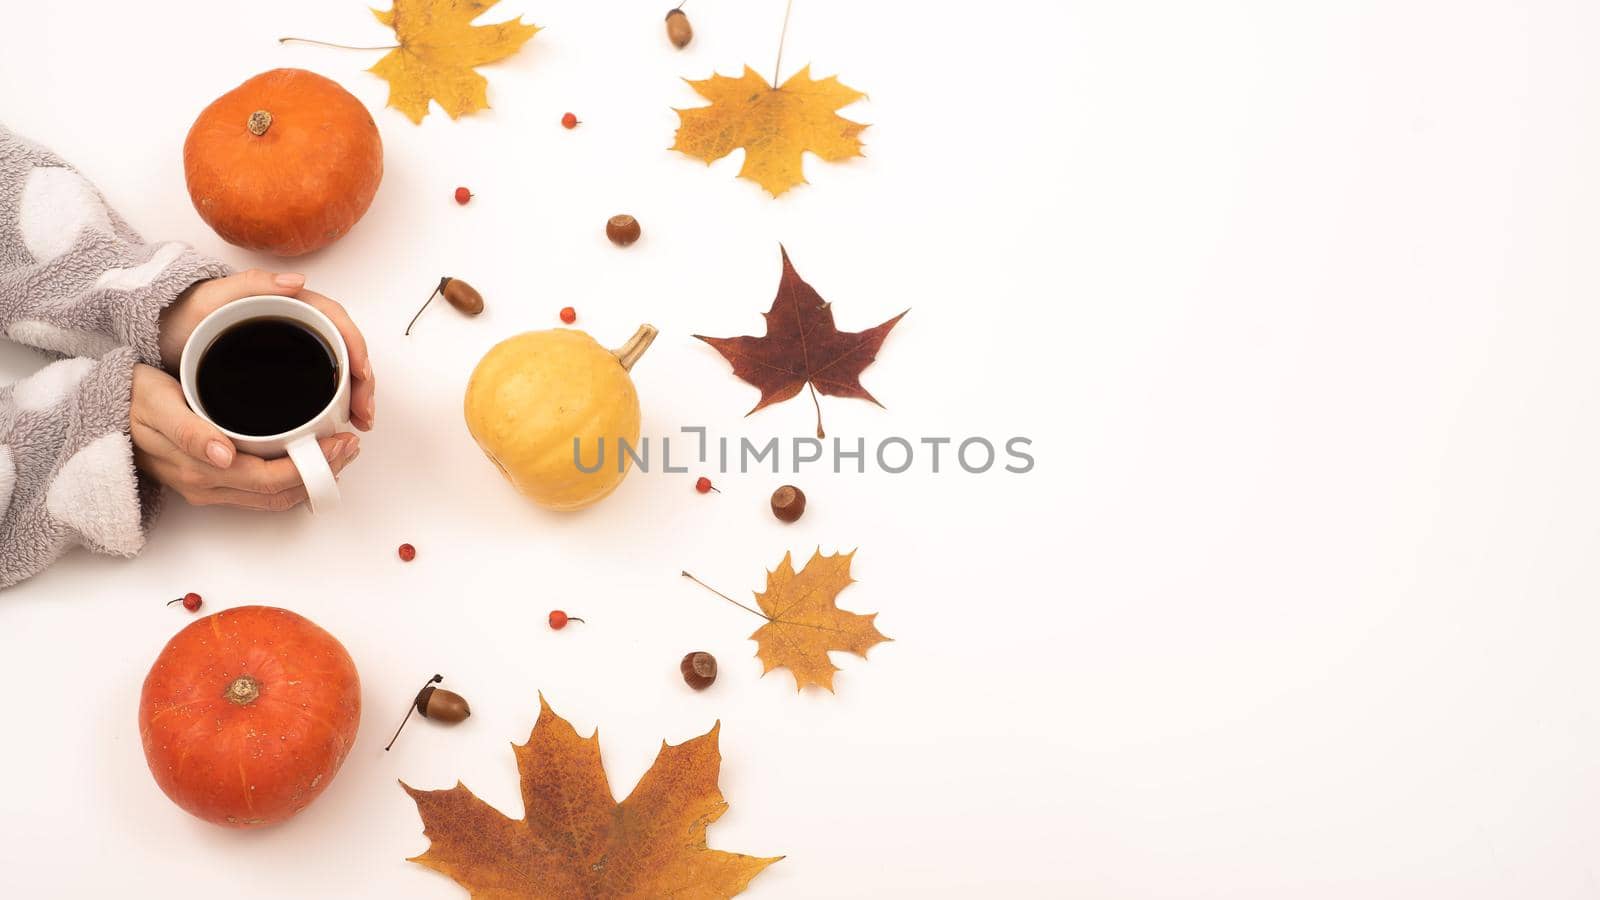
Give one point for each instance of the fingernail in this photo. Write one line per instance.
(289, 280)
(219, 454)
(366, 370)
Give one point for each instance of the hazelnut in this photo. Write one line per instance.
(622, 229)
(788, 503)
(699, 669)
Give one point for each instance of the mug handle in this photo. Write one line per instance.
(322, 491)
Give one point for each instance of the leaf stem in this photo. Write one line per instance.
(818, 404)
(726, 597)
(409, 710)
(442, 282)
(782, 35)
(300, 40)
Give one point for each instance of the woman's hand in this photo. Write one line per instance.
(188, 454)
(178, 321)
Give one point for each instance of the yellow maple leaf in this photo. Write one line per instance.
(804, 622)
(773, 125)
(574, 840)
(439, 46)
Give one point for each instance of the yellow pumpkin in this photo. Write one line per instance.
(533, 395)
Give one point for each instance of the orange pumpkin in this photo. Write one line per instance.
(286, 162)
(247, 715)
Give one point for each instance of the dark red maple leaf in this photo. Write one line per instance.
(802, 346)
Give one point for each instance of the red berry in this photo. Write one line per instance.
(408, 552)
(463, 195)
(569, 121)
(703, 485)
(558, 619)
(190, 601)
(569, 315)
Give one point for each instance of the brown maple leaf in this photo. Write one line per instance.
(802, 346)
(774, 125)
(804, 621)
(574, 840)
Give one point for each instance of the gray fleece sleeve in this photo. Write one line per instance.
(79, 284)
(75, 280)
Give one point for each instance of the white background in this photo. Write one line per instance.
(1296, 300)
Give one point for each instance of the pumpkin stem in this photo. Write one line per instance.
(260, 121)
(629, 353)
(242, 690)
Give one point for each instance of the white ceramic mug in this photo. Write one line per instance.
(299, 444)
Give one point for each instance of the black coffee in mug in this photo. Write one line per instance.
(266, 376)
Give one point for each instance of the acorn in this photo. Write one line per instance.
(435, 703)
(461, 295)
(442, 705)
(679, 32)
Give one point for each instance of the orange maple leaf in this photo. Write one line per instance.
(574, 840)
(804, 621)
(775, 126)
(439, 48)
